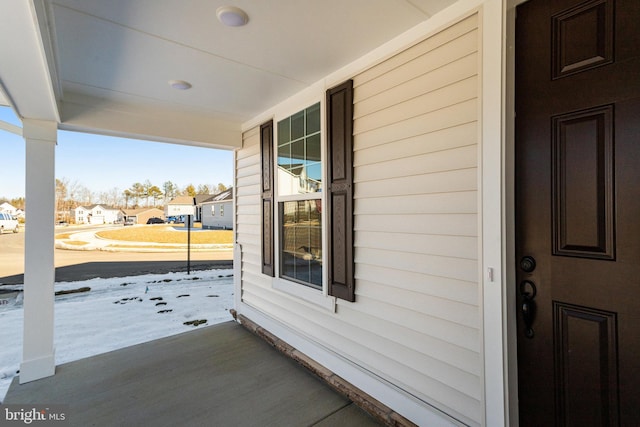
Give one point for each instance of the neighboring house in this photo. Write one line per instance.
(7, 207)
(96, 214)
(184, 205)
(142, 215)
(217, 213)
(459, 266)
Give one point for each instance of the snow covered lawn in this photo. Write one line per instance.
(120, 312)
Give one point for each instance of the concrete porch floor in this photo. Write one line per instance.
(221, 375)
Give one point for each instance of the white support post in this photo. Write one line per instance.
(38, 358)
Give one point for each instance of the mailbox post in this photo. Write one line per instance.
(189, 220)
(188, 211)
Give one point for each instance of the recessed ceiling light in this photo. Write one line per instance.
(179, 84)
(232, 16)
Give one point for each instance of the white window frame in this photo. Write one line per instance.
(317, 297)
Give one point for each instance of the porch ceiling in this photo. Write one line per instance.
(104, 66)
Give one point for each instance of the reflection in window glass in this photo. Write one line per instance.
(301, 241)
(299, 156)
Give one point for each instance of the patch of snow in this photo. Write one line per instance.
(120, 312)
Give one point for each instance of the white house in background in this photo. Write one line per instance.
(456, 266)
(187, 205)
(96, 214)
(217, 213)
(7, 207)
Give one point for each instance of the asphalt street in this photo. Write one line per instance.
(84, 265)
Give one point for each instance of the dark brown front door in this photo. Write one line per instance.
(578, 212)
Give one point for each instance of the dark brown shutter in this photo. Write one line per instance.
(340, 198)
(266, 160)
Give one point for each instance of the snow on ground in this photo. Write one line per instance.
(119, 312)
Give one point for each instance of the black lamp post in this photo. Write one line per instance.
(189, 217)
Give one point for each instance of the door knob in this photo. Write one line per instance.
(527, 264)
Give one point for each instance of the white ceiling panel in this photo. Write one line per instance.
(120, 54)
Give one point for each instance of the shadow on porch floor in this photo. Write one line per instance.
(215, 376)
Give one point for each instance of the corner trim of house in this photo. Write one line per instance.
(373, 407)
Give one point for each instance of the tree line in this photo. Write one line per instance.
(70, 195)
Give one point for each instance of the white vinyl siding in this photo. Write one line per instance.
(416, 321)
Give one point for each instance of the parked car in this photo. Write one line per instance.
(8, 223)
(175, 219)
(155, 220)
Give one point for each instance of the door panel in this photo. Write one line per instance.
(578, 212)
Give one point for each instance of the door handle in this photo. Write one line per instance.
(528, 307)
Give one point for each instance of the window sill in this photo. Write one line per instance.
(310, 295)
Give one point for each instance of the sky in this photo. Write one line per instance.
(119, 312)
(101, 163)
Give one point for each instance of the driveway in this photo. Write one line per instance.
(82, 265)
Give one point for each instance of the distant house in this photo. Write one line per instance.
(142, 215)
(217, 213)
(183, 205)
(7, 207)
(96, 214)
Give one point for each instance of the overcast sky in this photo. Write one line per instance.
(101, 163)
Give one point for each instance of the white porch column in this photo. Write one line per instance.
(38, 359)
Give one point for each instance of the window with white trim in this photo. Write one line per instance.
(292, 189)
(299, 184)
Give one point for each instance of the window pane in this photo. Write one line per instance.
(284, 131)
(313, 119)
(313, 148)
(301, 242)
(297, 125)
(299, 157)
(314, 176)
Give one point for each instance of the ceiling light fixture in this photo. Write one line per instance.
(232, 16)
(179, 84)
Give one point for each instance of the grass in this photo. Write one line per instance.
(164, 234)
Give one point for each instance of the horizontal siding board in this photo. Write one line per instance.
(451, 311)
(434, 80)
(438, 140)
(250, 170)
(414, 337)
(450, 116)
(456, 158)
(433, 224)
(437, 182)
(252, 229)
(248, 161)
(439, 57)
(248, 190)
(449, 246)
(247, 209)
(437, 99)
(438, 286)
(443, 330)
(248, 219)
(442, 37)
(460, 202)
(247, 180)
(456, 268)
